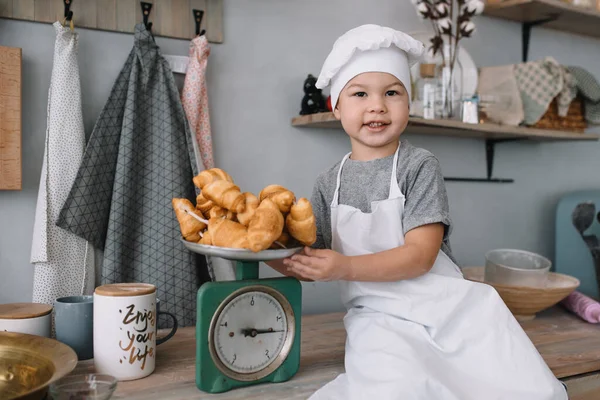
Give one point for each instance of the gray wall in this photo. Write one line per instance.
(255, 87)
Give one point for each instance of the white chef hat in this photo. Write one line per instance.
(369, 48)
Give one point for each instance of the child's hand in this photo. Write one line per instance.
(318, 265)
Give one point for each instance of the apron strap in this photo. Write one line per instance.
(395, 191)
(336, 194)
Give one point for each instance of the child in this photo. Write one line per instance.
(415, 328)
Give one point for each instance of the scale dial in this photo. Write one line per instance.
(251, 333)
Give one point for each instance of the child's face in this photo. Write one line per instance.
(373, 108)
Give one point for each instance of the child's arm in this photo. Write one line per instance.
(413, 259)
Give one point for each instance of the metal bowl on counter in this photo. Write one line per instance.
(30, 363)
(516, 268)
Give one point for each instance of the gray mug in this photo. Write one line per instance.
(74, 324)
(173, 329)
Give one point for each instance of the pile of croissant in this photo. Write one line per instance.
(224, 216)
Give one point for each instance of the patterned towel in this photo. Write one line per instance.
(64, 262)
(195, 98)
(539, 83)
(140, 155)
(589, 88)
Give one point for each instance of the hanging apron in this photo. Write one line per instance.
(64, 262)
(437, 336)
(139, 157)
(194, 98)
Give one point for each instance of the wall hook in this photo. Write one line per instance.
(146, 8)
(68, 13)
(198, 14)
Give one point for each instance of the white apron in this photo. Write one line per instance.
(435, 337)
(64, 262)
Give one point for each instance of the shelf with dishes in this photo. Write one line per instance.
(492, 133)
(569, 18)
(455, 128)
(554, 14)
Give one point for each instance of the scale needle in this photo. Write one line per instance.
(253, 332)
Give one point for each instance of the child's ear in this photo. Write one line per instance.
(336, 113)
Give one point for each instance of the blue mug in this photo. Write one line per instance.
(74, 324)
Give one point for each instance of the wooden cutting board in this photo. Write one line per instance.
(10, 118)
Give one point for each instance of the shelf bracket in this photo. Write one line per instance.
(490, 145)
(526, 32)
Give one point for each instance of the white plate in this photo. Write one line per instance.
(469, 76)
(240, 254)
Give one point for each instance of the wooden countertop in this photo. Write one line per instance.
(570, 346)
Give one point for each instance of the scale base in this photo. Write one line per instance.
(210, 295)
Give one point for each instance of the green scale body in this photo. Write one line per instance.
(247, 330)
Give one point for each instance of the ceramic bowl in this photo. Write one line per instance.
(516, 268)
(30, 363)
(29, 318)
(523, 301)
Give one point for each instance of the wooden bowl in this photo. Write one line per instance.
(30, 363)
(524, 302)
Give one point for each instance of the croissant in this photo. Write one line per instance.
(220, 212)
(203, 204)
(226, 233)
(206, 238)
(301, 222)
(282, 197)
(189, 225)
(251, 205)
(281, 241)
(265, 227)
(225, 194)
(210, 175)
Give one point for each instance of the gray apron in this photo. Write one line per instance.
(138, 158)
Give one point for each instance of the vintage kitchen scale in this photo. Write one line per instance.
(247, 330)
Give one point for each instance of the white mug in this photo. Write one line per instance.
(30, 318)
(124, 330)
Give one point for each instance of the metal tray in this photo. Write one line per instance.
(240, 254)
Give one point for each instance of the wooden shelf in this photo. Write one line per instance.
(569, 18)
(442, 127)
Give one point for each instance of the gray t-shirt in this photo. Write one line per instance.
(362, 182)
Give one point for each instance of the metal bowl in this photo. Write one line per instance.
(29, 363)
(516, 267)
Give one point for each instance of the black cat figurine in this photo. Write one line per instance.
(313, 101)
